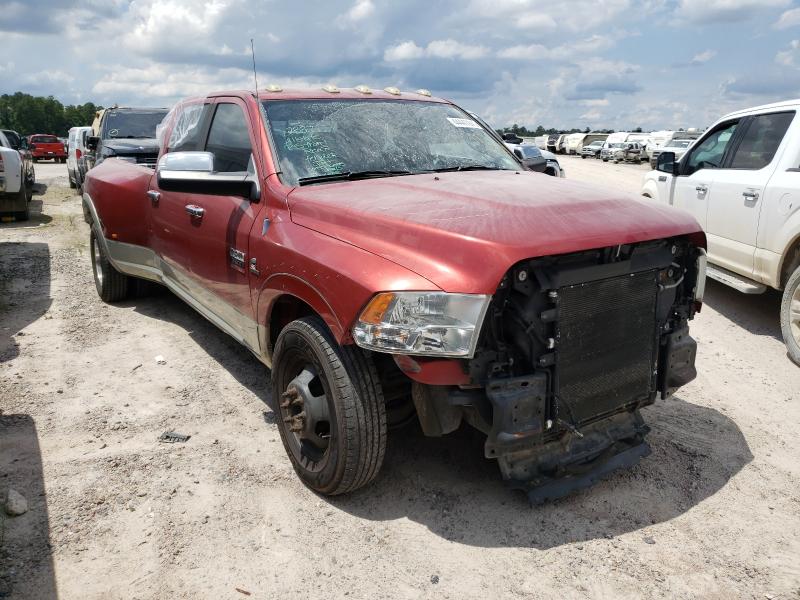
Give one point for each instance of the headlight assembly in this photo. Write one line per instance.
(422, 323)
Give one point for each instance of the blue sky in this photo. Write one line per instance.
(571, 63)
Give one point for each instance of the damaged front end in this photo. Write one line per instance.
(571, 348)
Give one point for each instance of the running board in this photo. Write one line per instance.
(737, 282)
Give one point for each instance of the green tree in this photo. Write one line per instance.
(28, 114)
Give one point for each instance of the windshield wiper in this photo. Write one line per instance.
(350, 176)
(468, 168)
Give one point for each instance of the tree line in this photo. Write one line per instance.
(28, 114)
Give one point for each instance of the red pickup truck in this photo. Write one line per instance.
(45, 147)
(389, 258)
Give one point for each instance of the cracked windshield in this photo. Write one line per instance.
(329, 140)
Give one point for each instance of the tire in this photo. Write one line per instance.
(790, 316)
(71, 178)
(111, 285)
(23, 197)
(308, 362)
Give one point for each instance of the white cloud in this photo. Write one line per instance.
(535, 21)
(436, 49)
(788, 57)
(177, 25)
(403, 51)
(704, 12)
(791, 18)
(703, 57)
(592, 44)
(361, 10)
(575, 15)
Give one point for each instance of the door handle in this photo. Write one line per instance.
(750, 196)
(702, 189)
(154, 196)
(195, 211)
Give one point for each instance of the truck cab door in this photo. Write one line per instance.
(693, 187)
(221, 259)
(739, 190)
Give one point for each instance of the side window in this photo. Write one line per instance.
(229, 139)
(761, 140)
(186, 135)
(709, 153)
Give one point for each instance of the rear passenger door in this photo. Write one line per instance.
(735, 205)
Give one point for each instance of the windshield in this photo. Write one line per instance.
(317, 138)
(44, 139)
(132, 124)
(680, 143)
(12, 137)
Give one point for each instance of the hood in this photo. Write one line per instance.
(131, 145)
(463, 231)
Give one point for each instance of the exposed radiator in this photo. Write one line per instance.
(607, 345)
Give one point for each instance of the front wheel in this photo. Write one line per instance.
(112, 286)
(330, 406)
(790, 316)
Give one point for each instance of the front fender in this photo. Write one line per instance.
(281, 284)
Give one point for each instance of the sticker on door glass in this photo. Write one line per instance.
(467, 123)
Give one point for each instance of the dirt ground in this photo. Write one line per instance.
(714, 512)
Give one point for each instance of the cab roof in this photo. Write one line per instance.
(782, 104)
(326, 94)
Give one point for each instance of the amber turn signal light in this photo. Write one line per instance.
(376, 309)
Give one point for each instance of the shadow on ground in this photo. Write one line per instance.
(757, 313)
(232, 356)
(446, 485)
(37, 217)
(24, 291)
(26, 563)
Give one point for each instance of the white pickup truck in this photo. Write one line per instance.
(741, 181)
(14, 189)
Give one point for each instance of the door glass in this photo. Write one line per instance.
(186, 134)
(229, 139)
(708, 154)
(761, 140)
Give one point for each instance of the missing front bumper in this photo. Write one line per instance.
(547, 465)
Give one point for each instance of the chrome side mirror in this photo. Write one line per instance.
(193, 173)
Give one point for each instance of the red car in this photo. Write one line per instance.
(45, 147)
(387, 256)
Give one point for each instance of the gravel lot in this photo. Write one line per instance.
(714, 512)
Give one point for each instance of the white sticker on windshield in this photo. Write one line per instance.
(468, 123)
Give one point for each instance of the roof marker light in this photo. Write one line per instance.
(331, 89)
(392, 90)
(274, 87)
(424, 92)
(363, 89)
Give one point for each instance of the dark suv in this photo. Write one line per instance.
(128, 134)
